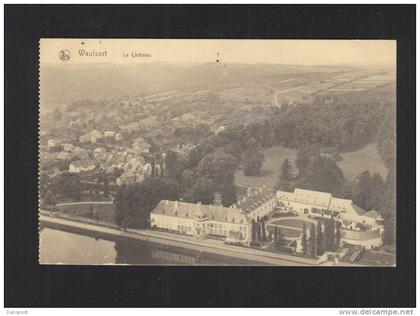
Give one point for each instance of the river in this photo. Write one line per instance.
(58, 246)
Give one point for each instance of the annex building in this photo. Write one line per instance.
(358, 227)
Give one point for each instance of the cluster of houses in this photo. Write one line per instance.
(234, 223)
(94, 136)
(107, 158)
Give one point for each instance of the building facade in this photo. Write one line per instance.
(200, 220)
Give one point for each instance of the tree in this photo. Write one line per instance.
(202, 191)
(133, 203)
(68, 184)
(278, 238)
(252, 162)
(229, 195)
(321, 174)
(329, 235)
(173, 166)
(259, 232)
(285, 182)
(264, 237)
(220, 168)
(337, 234)
(187, 179)
(304, 240)
(106, 185)
(312, 241)
(49, 199)
(253, 230)
(320, 240)
(304, 156)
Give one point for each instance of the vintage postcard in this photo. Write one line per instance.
(217, 152)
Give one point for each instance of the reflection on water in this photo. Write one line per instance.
(63, 247)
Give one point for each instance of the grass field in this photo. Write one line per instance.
(297, 223)
(353, 163)
(105, 212)
(366, 158)
(269, 174)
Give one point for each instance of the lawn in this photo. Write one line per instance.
(297, 223)
(366, 158)
(353, 163)
(105, 212)
(286, 232)
(274, 157)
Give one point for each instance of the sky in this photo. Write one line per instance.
(293, 52)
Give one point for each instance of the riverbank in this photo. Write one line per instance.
(168, 239)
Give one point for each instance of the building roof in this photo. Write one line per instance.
(321, 199)
(372, 214)
(83, 163)
(313, 197)
(200, 211)
(254, 199)
(345, 205)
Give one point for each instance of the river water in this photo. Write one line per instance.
(58, 246)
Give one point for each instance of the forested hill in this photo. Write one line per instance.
(338, 123)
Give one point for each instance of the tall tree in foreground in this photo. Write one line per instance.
(312, 241)
(285, 182)
(220, 168)
(304, 240)
(264, 237)
(320, 240)
(133, 203)
(337, 234)
(252, 162)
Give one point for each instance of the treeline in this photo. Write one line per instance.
(343, 122)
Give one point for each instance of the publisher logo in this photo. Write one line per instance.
(64, 55)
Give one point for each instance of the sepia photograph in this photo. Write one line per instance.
(217, 152)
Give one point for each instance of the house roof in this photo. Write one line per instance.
(84, 163)
(196, 211)
(371, 214)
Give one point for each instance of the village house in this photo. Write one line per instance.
(184, 149)
(82, 166)
(219, 130)
(201, 220)
(53, 142)
(126, 178)
(65, 155)
(68, 147)
(140, 146)
(91, 137)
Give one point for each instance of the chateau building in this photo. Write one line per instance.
(201, 220)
